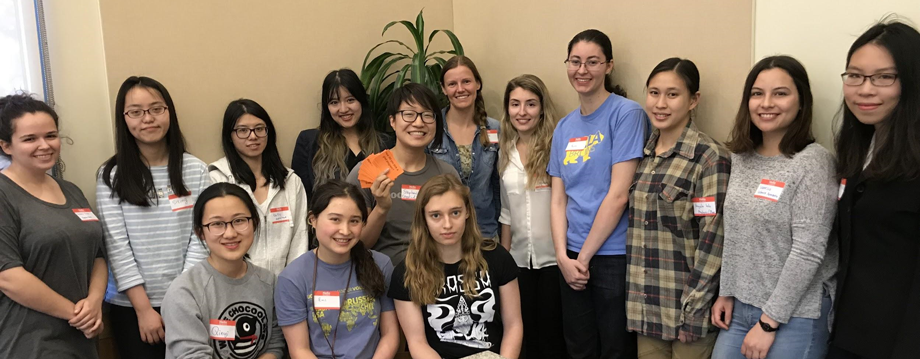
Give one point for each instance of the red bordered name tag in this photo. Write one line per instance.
(493, 136)
(280, 214)
(85, 214)
(180, 203)
(323, 299)
(577, 144)
(409, 192)
(222, 329)
(843, 186)
(770, 190)
(704, 206)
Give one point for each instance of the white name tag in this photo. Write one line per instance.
(409, 192)
(180, 203)
(843, 186)
(281, 215)
(326, 300)
(223, 329)
(577, 144)
(770, 190)
(542, 188)
(85, 214)
(493, 136)
(704, 206)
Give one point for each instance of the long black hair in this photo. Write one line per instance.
(272, 168)
(897, 152)
(133, 182)
(369, 274)
(600, 39)
(219, 190)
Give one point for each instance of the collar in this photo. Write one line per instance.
(685, 145)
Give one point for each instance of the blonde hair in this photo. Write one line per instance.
(424, 271)
(542, 138)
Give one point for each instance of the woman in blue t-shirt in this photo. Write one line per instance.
(594, 155)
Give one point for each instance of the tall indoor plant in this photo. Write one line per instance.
(382, 73)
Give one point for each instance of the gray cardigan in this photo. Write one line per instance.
(777, 256)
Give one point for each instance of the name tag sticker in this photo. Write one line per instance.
(542, 188)
(577, 144)
(409, 192)
(281, 215)
(326, 300)
(770, 190)
(843, 186)
(181, 203)
(85, 214)
(493, 136)
(223, 329)
(704, 206)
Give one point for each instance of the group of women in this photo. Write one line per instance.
(592, 235)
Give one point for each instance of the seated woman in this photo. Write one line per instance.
(223, 307)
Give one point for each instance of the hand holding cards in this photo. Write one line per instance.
(375, 164)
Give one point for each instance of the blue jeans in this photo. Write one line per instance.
(800, 338)
(594, 319)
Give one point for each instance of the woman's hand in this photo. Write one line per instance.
(87, 316)
(381, 190)
(757, 342)
(575, 273)
(722, 306)
(150, 325)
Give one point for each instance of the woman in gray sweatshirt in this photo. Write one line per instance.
(224, 306)
(777, 266)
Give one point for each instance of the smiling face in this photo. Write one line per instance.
(870, 103)
(253, 145)
(446, 216)
(338, 228)
(148, 129)
(668, 102)
(233, 244)
(344, 108)
(524, 110)
(586, 79)
(416, 134)
(35, 144)
(774, 101)
(460, 86)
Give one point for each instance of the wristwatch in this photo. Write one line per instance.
(766, 327)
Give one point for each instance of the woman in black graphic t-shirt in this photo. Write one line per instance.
(443, 315)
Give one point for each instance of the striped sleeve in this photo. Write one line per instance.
(120, 255)
(196, 251)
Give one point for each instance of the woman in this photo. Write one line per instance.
(345, 135)
(251, 161)
(470, 140)
(145, 194)
(52, 268)
(527, 133)
(878, 296)
(456, 294)
(332, 301)
(777, 267)
(223, 307)
(594, 155)
(680, 184)
(413, 114)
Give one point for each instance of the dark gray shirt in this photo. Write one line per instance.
(53, 243)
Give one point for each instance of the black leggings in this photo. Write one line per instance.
(128, 337)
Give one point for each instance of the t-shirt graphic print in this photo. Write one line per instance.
(459, 319)
(247, 323)
(581, 147)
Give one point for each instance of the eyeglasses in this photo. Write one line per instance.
(244, 133)
(410, 116)
(590, 64)
(880, 80)
(153, 111)
(219, 227)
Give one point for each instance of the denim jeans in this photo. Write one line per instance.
(594, 319)
(801, 338)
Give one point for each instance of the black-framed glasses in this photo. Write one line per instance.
(575, 64)
(880, 80)
(244, 133)
(410, 116)
(219, 227)
(153, 111)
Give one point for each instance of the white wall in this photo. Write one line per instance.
(74, 29)
(818, 33)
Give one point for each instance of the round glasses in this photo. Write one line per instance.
(410, 116)
(153, 111)
(244, 133)
(219, 227)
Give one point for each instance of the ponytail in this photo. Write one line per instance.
(482, 120)
(369, 274)
(611, 87)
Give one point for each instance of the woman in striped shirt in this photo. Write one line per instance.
(145, 195)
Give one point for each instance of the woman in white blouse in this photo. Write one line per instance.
(526, 135)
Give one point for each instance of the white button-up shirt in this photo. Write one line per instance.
(527, 212)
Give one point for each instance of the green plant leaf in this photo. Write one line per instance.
(363, 65)
(401, 78)
(455, 42)
(370, 71)
(420, 24)
(412, 30)
(382, 73)
(431, 55)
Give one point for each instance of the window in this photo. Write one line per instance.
(21, 30)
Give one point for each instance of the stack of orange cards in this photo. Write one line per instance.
(374, 164)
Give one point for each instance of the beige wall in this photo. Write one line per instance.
(819, 33)
(513, 37)
(81, 94)
(208, 53)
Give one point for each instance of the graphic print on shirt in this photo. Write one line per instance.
(356, 310)
(252, 326)
(581, 147)
(459, 319)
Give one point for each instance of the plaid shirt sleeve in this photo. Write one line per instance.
(703, 281)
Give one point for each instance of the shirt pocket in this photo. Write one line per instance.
(673, 207)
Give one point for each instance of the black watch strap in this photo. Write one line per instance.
(766, 327)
